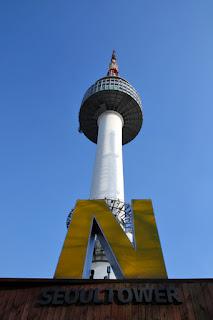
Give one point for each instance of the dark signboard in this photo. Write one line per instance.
(135, 299)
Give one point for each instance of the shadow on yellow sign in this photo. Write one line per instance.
(90, 217)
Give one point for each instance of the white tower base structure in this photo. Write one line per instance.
(108, 181)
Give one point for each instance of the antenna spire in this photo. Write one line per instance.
(113, 66)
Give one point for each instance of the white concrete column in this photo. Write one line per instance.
(108, 180)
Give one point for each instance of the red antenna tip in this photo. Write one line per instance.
(113, 66)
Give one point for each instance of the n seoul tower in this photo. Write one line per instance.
(110, 116)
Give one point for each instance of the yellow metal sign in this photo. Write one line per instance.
(144, 260)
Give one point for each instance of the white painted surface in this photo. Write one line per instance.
(100, 269)
(108, 180)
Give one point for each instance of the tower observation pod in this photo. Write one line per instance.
(110, 116)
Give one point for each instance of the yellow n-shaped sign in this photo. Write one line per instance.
(144, 260)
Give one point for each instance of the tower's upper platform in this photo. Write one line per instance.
(111, 93)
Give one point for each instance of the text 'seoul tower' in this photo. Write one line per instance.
(110, 115)
(106, 237)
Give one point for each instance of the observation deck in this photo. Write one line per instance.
(115, 94)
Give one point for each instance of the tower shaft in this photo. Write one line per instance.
(108, 181)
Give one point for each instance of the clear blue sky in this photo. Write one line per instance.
(51, 52)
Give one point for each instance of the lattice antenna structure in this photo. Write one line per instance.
(122, 212)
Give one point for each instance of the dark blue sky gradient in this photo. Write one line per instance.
(51, 52)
